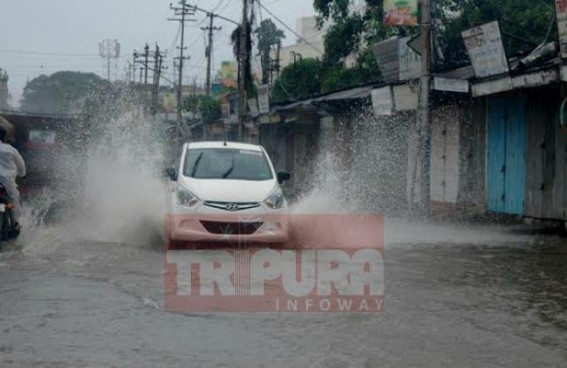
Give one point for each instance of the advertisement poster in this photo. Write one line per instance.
(400, 13)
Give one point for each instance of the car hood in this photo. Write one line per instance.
(229, 190)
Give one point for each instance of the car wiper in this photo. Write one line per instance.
(196, 165)
(227, 173)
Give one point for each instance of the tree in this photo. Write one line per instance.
(298, 80)
(207, 107)
(524, 23)
(268, 36)
(61, 93)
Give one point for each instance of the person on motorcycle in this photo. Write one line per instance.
(11, 166)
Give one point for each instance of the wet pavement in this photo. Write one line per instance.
(455, 296)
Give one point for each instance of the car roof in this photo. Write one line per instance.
(222, 144)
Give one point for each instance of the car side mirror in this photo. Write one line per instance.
(171, 173)
(283, 176)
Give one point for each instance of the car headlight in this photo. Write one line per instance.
(275, 200)
(185, 198)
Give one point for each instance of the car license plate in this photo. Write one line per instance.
(2, 207)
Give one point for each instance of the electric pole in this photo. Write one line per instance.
(145, 56)
(424, 111)
(243, 61)
(182, 11)
(209, 51)
(158, 66)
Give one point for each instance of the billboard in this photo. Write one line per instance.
(400, 13)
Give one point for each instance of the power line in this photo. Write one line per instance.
(289, 28)
(47, 53)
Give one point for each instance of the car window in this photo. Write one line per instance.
(229, 164)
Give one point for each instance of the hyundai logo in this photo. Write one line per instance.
(232, 207)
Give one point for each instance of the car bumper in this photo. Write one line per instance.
(228, 228)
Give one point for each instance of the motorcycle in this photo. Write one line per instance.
(9, 228)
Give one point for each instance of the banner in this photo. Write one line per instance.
(400, 13)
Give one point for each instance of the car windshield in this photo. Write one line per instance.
(223, 163)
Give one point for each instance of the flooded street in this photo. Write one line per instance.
(466, 302)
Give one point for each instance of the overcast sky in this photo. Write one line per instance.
(45, 36)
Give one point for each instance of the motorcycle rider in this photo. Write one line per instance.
(11, 166)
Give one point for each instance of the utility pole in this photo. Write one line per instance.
(146, 55)
(144, 62)
(243, 61)
(183, 11)
(209, 51)
(158, 66)
(424, 111)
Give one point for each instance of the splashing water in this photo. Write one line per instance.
(363, 168)
(123, 197)
(326, 192)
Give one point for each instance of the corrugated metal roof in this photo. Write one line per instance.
(349, 94)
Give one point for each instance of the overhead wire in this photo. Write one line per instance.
(289, 28)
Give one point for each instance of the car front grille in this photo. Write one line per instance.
(231, 228)
(232, 206)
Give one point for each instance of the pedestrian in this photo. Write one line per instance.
(11, 166)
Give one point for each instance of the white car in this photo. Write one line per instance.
(226, 192)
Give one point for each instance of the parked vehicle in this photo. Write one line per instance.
(226, 192)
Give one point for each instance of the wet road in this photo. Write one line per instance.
(454, 297)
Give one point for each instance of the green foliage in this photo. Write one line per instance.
(298, 81)
(342, 38)
(61, 93)
(208, 107)
(524, 24)
(268, 36)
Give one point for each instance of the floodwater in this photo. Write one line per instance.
(88, 292)
(72, 303)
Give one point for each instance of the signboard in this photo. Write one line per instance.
(451, 85)
(397, 61)
(386, 54)
(382, 101)
(405, 98)
(410, 61)
(561, 6)
(485, 49)
(400, 13)
(492, 87)
(536, 79)
(253, 107)
(264, 98)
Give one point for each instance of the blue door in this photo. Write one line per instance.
(506, 155)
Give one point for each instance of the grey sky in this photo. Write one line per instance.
(45, 36)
